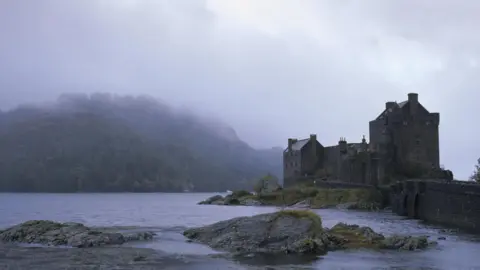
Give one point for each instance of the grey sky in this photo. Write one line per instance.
(271, 68)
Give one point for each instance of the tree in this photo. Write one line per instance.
(476, 173)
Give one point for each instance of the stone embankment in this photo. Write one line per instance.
(295, 232)
(77, 235)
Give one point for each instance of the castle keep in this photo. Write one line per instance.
(403, 139)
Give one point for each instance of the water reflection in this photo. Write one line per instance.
(169, 214)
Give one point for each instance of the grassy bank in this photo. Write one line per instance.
(312, 197)
(321, 197)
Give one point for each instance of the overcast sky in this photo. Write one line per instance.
(272, 69)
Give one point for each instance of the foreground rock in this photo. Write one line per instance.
(294, 231)
(67, 234)
(16, 257)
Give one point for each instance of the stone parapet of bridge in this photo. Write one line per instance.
(454, 203)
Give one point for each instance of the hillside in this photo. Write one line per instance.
(122, 143)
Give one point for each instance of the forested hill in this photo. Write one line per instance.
(105, 143)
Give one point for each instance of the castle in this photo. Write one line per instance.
(403, 137)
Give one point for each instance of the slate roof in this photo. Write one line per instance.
(401, 104)
(298, 145)
(387, 111)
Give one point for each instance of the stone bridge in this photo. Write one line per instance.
(454, 203)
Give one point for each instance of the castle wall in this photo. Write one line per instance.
(416, 138)
(291, 164)
(376, 134)
(331, 161)
(331, 184)
(312, 158)
(454, 203)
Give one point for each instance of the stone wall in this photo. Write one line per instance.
(322, 183)
(454, 203)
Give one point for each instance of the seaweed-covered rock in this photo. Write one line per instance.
(354, 236)
(67, 234)
(399, 242)
(294, 231)
(282, 232)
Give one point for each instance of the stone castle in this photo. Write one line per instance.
(404, 140)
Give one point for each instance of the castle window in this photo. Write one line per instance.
(405, 123)
(428, 123)
(417, 141)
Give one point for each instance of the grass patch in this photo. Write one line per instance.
(321, 197)
(332, 197)
(316, 219)
(288, 196)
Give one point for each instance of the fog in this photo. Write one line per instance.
(272, 69)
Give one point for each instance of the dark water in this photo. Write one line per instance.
(169, 214)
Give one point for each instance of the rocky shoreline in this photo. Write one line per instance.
(296, 232)
(305, 197)
(50, 233)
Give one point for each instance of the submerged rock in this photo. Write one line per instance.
(294, 231)
(67, 234)
(406, 242)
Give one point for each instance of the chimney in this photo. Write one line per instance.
(342, 145)
(389, 105)
(313, 140)
(290, 143)
(413, 100)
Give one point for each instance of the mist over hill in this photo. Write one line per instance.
(111, 143)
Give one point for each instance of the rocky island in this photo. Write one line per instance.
(295, 232)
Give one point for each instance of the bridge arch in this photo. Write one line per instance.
(404, 208)
(416, 206)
